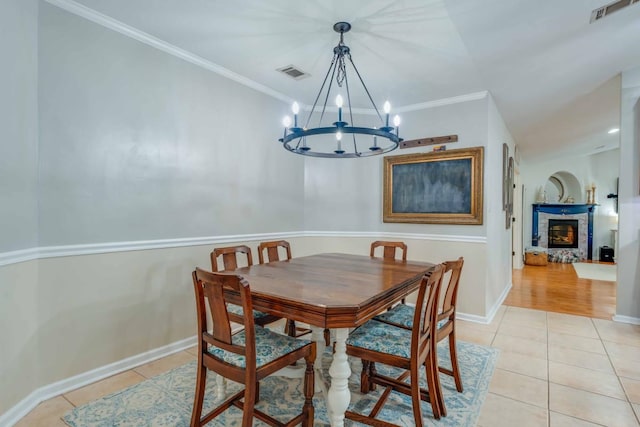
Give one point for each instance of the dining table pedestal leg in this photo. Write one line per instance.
(339, 395)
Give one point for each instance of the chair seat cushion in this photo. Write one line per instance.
(402, 315)
(383, 338)
(236, 309)
(269, 346)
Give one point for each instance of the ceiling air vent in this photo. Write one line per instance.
(293, 72)
(603, 11)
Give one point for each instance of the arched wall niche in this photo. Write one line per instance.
(563, 187)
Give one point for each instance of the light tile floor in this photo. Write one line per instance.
(554, 370)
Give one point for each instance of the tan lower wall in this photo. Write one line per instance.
(72, 314)
(19, 329)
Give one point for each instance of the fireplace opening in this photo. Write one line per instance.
(563, 233)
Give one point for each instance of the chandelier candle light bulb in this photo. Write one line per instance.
(295, 108)
(387, 110)
(396, 123)
(339, 103)
(286, 122)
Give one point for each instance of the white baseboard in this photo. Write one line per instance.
(626, 319)
(13, 415)
(499, 302)
(492, 313)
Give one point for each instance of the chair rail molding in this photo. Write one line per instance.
(30, 254)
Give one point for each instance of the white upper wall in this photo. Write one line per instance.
(18, 125)
(346, 195)
(18, 200)
(498, 236)
(628, 294)
(605, 171)
(140, 145)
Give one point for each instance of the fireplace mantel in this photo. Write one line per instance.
(563, 209)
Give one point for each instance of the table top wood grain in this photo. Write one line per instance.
(332, 290)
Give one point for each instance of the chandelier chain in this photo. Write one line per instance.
(315, 103)
(375, 107)
(342, 71)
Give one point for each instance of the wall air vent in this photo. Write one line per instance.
(603, 11)
(293, 72)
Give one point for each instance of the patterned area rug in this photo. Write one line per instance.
(165, 400)
(606, 272)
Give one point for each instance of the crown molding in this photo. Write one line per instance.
(129, 31)
(444, 101)
(78, 9)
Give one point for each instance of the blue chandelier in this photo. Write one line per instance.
(342, 141)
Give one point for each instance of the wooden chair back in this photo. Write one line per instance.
(389, 249)
(450, 296)
(272, 250)
(211, 287)
(273, 254)
(425, 315)
(230, 257)
(422, 355)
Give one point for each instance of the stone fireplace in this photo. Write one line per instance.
(564, 227)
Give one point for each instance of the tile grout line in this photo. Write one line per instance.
(615, 370)
(546, 318)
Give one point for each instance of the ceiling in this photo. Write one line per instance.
(554, 76)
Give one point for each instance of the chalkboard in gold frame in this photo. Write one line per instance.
(443, 187)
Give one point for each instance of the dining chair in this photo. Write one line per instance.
(245, 357)
(402, 315)
(408, 349)
(271, 249)
(389, 251)
(229, 257)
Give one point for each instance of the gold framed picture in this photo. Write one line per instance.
(442, 187)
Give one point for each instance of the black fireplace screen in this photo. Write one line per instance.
(563, 233)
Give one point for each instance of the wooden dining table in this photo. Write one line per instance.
(336, 291)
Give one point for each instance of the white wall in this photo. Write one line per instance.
(605, 170)
(139, 145)
(18, 199)
(346, 195)
(499, 259)
(18, 125)
(628, 293)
